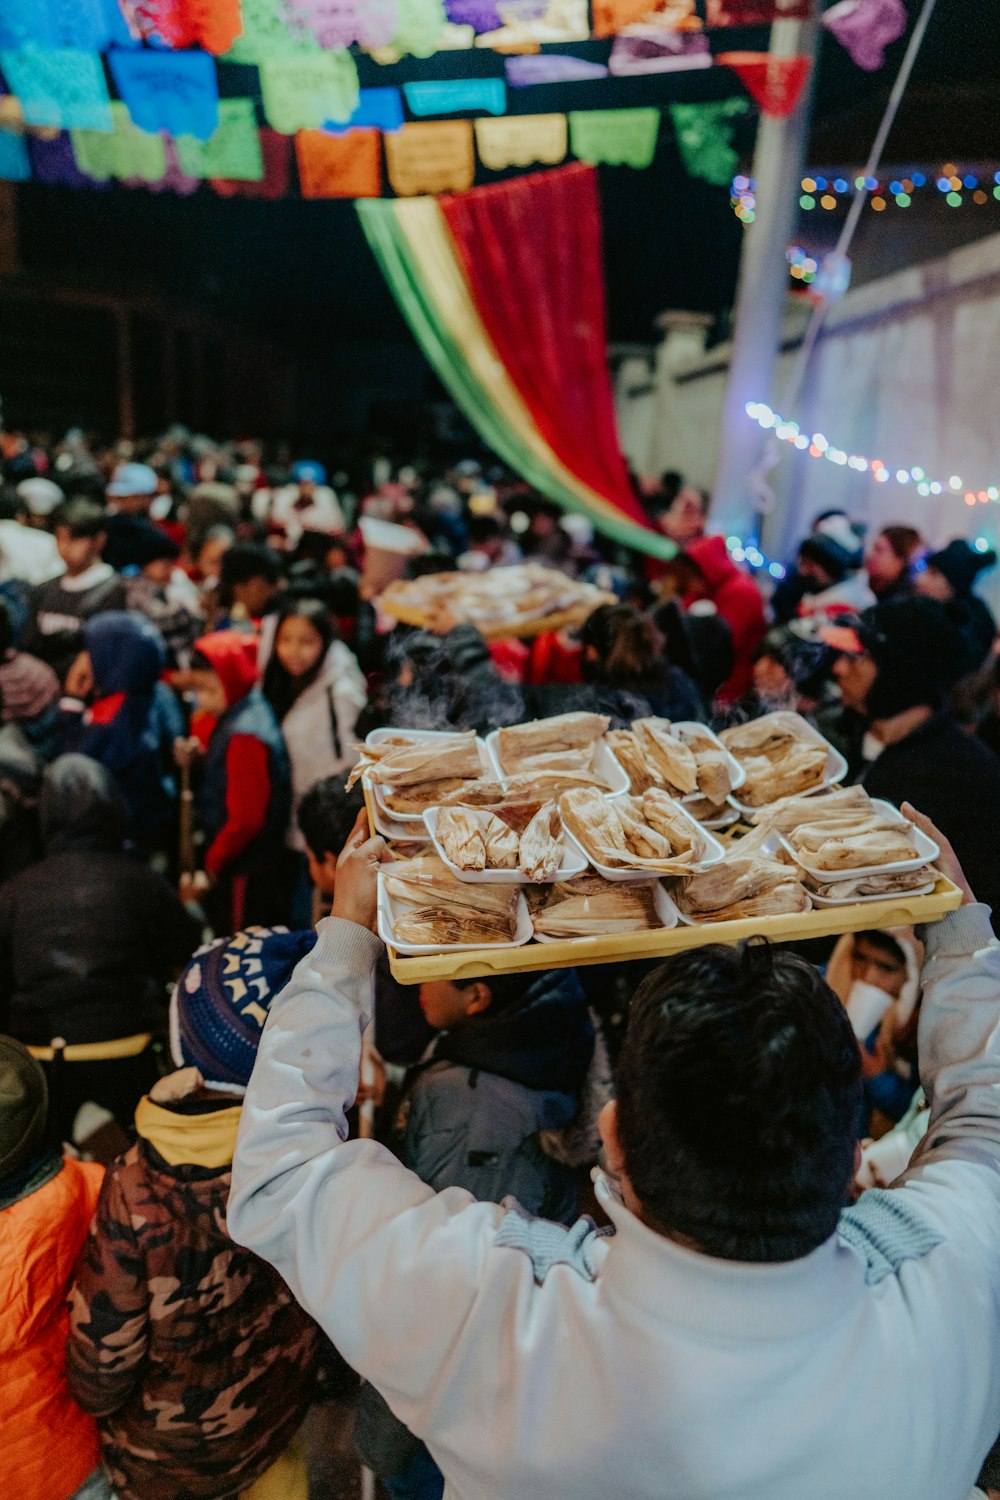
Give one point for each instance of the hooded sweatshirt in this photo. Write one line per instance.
(88, 937)
(133, 721)
(738, 601)
(246, 792)
(495, 1082)
(192, 1353)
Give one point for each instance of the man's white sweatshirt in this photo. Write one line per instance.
(539, 1363)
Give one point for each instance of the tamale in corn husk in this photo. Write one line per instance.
(858, 851)
(800, 767)
(461, 833)
(738, 879)
(419, 796)
(451, 757)
(543, 736)
(640, 773)
(891, 884)
(668, 754)
(787, 897)
(541, 851)
(502, 845)
(445, 926)
(791, 812)
(427, 881)
(611, 909)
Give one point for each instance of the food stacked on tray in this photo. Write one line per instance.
(516, 821)
(502, 599)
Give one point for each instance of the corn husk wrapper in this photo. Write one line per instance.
(598, 912)
(541, 852)
(891, 884)
(614, 833)
(502, 845)
(444, 926)
(640, 773)
(791, 812)
(579, 760)
(881, 848)
(770, 735)
(545, 736)
(461, 833)
(427, 881)
(549, 786)
(407, 764)
(419, 796)
(738, 879)
(788, 897)
(668, 754)
(801, 766)
(811, 836)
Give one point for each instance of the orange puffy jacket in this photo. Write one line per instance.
(50, 1445)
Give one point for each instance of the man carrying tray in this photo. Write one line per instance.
(738, 1336)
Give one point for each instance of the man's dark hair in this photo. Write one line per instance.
(885, 941)
(739, 1094)
(245, 560)
(81, 517)
(327, 814)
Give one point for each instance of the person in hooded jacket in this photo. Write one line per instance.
(130, 722)
(509, 1064)
(88, 941)
(245, 797)
(948, 577)
(46, 1205)
(709, 573)
(191, 1352)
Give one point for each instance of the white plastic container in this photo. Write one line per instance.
(416, 737)
(387, 911)
(825, 901)
(714, 854)
(926, 852)
(574, 863)
(665, 910)
(606, 765)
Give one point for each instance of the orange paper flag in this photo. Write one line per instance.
(339, 166)
(611, 15)
(433, 158)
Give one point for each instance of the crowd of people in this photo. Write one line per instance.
(191, 649)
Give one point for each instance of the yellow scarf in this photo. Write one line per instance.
(190, 1140)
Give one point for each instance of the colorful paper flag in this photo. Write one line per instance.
(621, 137)
(611, 16)
(14, 163)
(452, 95)
(339, 23)
(80, 25)
(641, 51)
(53, 162)
(304, 91)
(173, 179)
(864, 28)
(776, 83)
(704, 138)
(550, 67)
(121, 152)
(339, 166)
(481, 15)
(172, 91)
(378, 109)
(64, 89)
(266, 33)
(520, 140)
(276, 153)
(419, 26)
(437, 157)
(755, 12)
(534, 22)
(212, 24)
(232, 151)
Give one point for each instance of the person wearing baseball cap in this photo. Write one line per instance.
(131, 493)
(200, 1390)
(41, 497)
(46, 1204)
(895, 669)
(307, 504)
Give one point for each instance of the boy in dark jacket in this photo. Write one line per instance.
(245, 800)
(58, 608)
(89, 939)
(131, 722)
(193, 1355)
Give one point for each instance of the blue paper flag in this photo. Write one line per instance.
(86, 25)
(64, 89)
(381, 108)
(14, 163)
(172, 91)
(451, 95)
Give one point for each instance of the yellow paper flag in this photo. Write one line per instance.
(431, 158)
(519, 140)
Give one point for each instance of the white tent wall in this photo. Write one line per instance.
(907, 370)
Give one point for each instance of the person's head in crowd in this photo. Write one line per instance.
(12, 506)
(901, 655)
(308, 475)
(621, 646)
(214, 546)
(700, 644)
(80, 529)
(302, 638)
(889, 558)
(823, 562)
(154, 553)
(761, 1175)
(249, 577)
(125, 651)
(132, 489)
(24, 1108)
(838, 526)
(223, 670)
(448, 1004)
(80, 807)
(428, 563)
(40, 498)
(212, 1026)
(951, 573)
(683, 519)
(337, 554)
(326, 816)
(486, 541)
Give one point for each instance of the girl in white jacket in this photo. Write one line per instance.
(316, 688)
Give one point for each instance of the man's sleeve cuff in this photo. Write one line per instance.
(345, 945)
(961, 932)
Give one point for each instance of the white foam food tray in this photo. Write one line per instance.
(573, 863)
(387, 911)
(606, 765)
(714, 854)
(417, 737)
(827, 901)
(665, 910)
(926, 852)
(835, 771)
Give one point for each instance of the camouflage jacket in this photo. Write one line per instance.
(190, 1351)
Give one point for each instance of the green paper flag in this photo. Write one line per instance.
(232, 152)
(266, 33)
(305, 92)
(616, 136)
(124, 151)
(704, 138)
(419, 26)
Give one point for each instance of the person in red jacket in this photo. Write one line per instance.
(46, 1205)
(708, 572)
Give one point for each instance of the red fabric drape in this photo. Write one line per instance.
(531, 251)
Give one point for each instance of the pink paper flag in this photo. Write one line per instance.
(864, 28)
